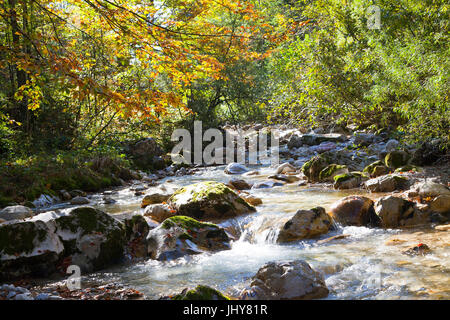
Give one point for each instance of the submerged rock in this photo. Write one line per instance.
(305, 224)
(15, 213)
(208, 200)
(355, 211)
(294, 280)
(267, 185)
(181, 235)
(420, 250)
(284, 178)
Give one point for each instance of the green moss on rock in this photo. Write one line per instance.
(330, 170)
(201, 293)
(396, 159)
(186, 223)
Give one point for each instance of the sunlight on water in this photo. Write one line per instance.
(360, 266)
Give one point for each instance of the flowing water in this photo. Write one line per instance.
(361, 266)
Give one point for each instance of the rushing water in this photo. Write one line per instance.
(361, 266)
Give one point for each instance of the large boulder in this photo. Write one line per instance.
(208, 200)
(137, 229)
(355, 211)
(294, 280)
(145, 153)
(28, 248)
(313, 167)
(331, 171)
(305, 224)
(181, 235)
(15, 213)
(387, 183)
(397, 212)
(92, 239)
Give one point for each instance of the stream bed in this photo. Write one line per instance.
(368, 264)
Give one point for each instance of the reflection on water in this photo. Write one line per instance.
(361, 266)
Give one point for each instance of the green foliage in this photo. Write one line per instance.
(339, 70)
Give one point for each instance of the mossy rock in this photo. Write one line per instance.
(28, 249)
(92, 238)
(180, 235)
(208, 201)
(376, 169)
(331, 171)
(200, 293)
(349, 180)
(312, 168)
(396, 159)
(409, 168)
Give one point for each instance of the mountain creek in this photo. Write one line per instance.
(367, 264)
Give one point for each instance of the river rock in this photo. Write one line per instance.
(285, 178)
(376, 169)
(239, 184)
(285, 168)
(355, 211)
(266, 185)
(181, 235)
(420, 250)
(397, 212)
(154, 198)
(92, 239)
(305, 224)
(313, 167)
(295, 141)
(15, 212)
(136, 229)
(391, 145)
(294, 280)
(253, 200)
(387, 183)
(349, 180)
(28, 248)
(315, 139)
(79, 201)
(441, 204)
(198, 293)
(236, 168)
(396, 159)
(159, 212)
(208, 200)
(331, 171)
(431, 189)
